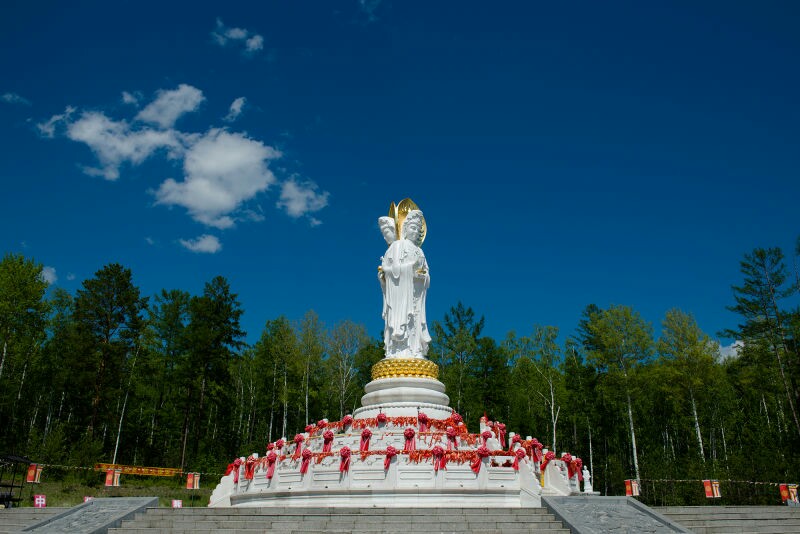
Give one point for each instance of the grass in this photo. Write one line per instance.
(70, 490)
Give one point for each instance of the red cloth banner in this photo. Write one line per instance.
(192, 481)
(112, 477)
(631, 488)
(344, 466)
(519, 455)
(439, 459)
(40, 501)
(177, 503)
(423, 420)
(451, 438)
(481, 453)
(233, 467)
(34, 474)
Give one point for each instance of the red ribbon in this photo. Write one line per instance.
(451, 438)
(250, 467)
(310, 428)
(298, 441)
(327, 441)
(365, 435)
(514, 440)
(348, 420)
(307, 454)
(456, 418)
(579, 468)
(486, 434)
(439, 459)
(537, 450)
(321, 423)
(547, 458)
(233, 467)
(501, 434)
(382, 418)
(279, 444)
(344, 466)
(411, 443)
(390, 453)
(481, 453)
(519, 455)
(423, 420)
(271, 458)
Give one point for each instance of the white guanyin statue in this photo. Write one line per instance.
(404, 278)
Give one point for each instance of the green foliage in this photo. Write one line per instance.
(170, 382)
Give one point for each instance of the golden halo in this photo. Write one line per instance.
(399, 213)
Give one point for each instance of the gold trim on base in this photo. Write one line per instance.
(405, 367)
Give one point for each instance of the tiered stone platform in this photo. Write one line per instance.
(357, 520)
(735, 519)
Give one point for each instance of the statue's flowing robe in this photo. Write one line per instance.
(406, 328)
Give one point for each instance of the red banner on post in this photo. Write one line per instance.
(711, 488)
(193, 481)
(34, 474)
(112, 477)
(40, 501)
(788, 493)
(631, 487)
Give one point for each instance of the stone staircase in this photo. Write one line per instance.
(735, 519)
(15, 519)
(343, 520)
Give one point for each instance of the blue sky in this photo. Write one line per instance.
(563, 153)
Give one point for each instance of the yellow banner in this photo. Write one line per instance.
(137, 470)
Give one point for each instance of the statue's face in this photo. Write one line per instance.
(412, 231)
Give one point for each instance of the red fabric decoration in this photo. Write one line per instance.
(515, 439)
(250, 467)
(233, 467)
(451, 438)
(547, 458)
(344, 466)
(439, 459)
(579, 468)
(307, 454)
(279, 444)
(365, 435)
(537, 450)
(411, 443)
(519, 455)
(501, 434)
(298, 441)
(423, 420)
(270, 446)
(486, 434)
(480, 454)
(390, 453)
(321, 423)
(348, 420)
(271, 458)
(327, 441)
(310, 428)
(382, 418)
(456, 418)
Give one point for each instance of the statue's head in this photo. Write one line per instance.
(412, 227)
(386, 224)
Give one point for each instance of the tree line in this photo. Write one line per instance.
(107, 374)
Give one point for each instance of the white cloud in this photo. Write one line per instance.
(149, 240)
(731, 351)
(70, 276)
(298, 198)
(48, 128)
(205, 243)
(14, 98)
(170, 105)
(49, 274)
(235, 109)
(115, 142)
(369, 7)
(254, 44)
(223, 35)
(130, 98)
(221, 171)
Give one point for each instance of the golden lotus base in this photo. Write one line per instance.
(405, 367)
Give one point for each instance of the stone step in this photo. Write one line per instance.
(519, 530)
(311, 525)
(15, 519)
(345, 511)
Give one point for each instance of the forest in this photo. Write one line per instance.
(110, 375)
